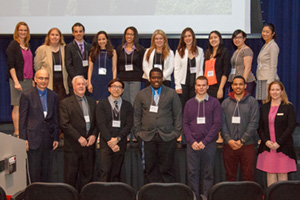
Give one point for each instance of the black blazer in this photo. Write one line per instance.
(15, 59)
(72, 123)
(73, 59)
(33, 125)
(285, 123)
(104, 122)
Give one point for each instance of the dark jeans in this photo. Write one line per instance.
(245, 156)
(159, 157)
(201, 160)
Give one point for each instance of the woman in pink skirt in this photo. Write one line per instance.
(276, 154)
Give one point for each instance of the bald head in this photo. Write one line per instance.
(42, 79)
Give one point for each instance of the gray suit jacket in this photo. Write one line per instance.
(167, 121)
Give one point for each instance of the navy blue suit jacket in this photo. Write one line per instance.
(33, 126)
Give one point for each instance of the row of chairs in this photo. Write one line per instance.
(243, 190)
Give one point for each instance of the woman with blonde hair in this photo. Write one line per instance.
(276, 154)
(51, 55)
(159, 55)
(20, 68)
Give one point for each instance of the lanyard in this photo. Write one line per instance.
(236, 109)
(126, 57)
(203, 110)
(156, 60)
(99, 57)
(59, 55)
(236, 58)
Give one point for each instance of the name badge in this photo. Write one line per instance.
(87, 118)
(57, 68)
(129, 67)
(158, 66)
(85, 63)
(200, 120)
(280, 114)
(116, 123)
(210, 73)
(233, 70)
(192, 70)
(102, 71)
(45, 114)
(236, 120)
(153, 109)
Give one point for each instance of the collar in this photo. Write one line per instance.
(41, 93)
(205, 98)
(231, 95)
(79, 43)
(78, 97)
(158, 90)
(128, 52)
(110, 99)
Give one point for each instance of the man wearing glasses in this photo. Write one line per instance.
(114, 120)
(39, 126)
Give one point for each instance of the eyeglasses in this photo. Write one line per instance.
(43, 78)
(238, 38)
(116, 87)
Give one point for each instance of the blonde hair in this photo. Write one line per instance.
(16, 34)
(165, 49)
(284, 97)
(61, 37)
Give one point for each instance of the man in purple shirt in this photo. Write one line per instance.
(202, 121)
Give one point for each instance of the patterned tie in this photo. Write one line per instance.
(156, 97)
(116, 109)
(81, 50)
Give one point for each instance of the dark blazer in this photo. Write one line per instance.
(285, 123)
(15, 59)
(72, 123)
(222, 65)
(167, 122)
(33, 125)
(104, 122)
(73, 59)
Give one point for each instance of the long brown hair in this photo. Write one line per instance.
(96, 48)
(209, 50)
(136, 37)
(182, 46)
(165, 49)
(16, 34)
(61, 37)
(284, 96)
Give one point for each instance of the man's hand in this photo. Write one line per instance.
(82, 141)
(27, 145)
(116, 148)
(195, 146)
(55, 144)
(91, 140)
(201, 145)
(234, 144)
(112, 142)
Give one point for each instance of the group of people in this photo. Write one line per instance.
(88, 98)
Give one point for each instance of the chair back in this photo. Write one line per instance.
(165, 191)
(50, 191)
(287, 190)
(237, 190)
(107, 191)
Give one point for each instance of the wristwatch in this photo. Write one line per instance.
(119, 139)
(243, 141)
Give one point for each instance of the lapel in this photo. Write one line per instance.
(38, 99)
(76, 106)
(90, 109)
(162, 94)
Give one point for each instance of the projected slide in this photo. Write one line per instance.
(114, 16)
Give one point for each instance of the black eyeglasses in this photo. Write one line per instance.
(43, 78)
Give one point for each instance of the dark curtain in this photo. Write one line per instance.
(283, 14)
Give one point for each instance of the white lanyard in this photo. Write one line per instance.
(201, 120)
(236, 119)
(116, 123)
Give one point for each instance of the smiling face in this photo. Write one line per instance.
(238, 86)
(214, 40)
(156, 79)
(275, 92)
(102, 41)
(159, 41)
(22, 32)
(79, 86)
(78, 33)
(129, 36)
(201, 87)
(188, 38)
(239, 40)
(54, 37)
(41, 79)
(267, 34)
(116, 90)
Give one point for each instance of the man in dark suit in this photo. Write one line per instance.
(157, 121)
(39, 126)
(77, 121)
(77, 54)
(114, 120)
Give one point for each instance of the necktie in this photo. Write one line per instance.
(81, 50)
(116, 109)
(156, 97)
(85, 111)
(43, 100)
